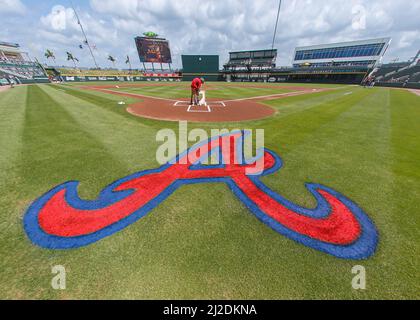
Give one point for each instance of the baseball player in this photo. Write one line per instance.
(196, 85)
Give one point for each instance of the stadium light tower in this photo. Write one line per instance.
(84, 34)
(275, 29)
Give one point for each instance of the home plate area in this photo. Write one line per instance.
(200, 108)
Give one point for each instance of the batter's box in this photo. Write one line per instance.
(187, 104)
(182, 104)
(204, 108)
(218, 104)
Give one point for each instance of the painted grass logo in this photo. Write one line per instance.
(61, 220)
(242, 153)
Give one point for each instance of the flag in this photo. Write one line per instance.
(111, 58)
(80, 46)
(128, 60)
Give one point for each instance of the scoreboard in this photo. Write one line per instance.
(153, 50)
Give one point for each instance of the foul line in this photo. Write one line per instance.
(293, 93)
(274, 95)
(135, 94)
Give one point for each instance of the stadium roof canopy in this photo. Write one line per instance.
(346, 44)
(245, 51)
(12, 48)
(9, 44)
(366, 52)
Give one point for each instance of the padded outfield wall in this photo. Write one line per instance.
(206, 66)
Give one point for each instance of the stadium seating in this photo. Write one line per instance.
(17, 66)
(405, 74)
(415, 77)
(388, 69)
(23, 71)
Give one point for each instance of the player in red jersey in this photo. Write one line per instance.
(195, 90)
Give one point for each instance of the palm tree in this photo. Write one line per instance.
(49, 54)
(112, 59)
(127, 61)
(72, 58)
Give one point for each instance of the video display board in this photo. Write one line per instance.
(153, 50)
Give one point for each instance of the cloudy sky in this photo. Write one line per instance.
(205, 26)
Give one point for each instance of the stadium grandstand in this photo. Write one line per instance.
(345, 62)
(405, 74)
(17, 67)
(253, 65)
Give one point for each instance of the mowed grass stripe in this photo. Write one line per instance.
(296, 127)
(56, 148)
(405, 133)
(110, 102)
(294, 104)
(125, 138)
(106, 101)
(12, 113)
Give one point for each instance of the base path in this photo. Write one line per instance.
(235, 110)
(7, 87)
(415, 91)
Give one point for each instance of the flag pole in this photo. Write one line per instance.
(84, 34)
(275, 29)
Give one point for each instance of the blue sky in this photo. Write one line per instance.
(205, 26)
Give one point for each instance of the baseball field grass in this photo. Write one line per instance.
(202, 242)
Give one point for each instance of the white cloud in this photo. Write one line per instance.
(215, 27)
(60, 30)
(12, 6)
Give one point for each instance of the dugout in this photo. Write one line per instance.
(206, 66)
